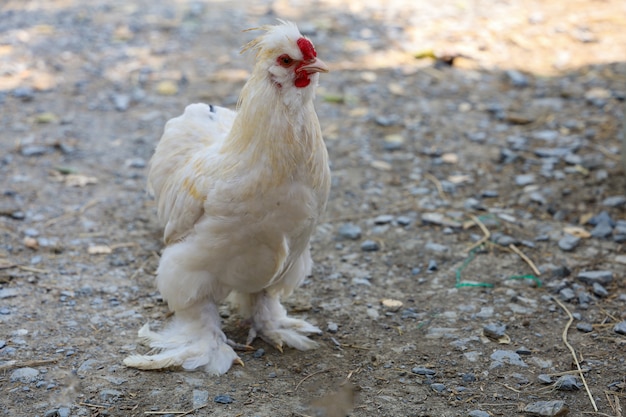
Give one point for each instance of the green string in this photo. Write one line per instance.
(470, 258)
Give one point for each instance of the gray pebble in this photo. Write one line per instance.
(489, 194)
(404, 220)
(524, 179)
(523, 351)
(544, 379)
(567, 383)
(438, 387)
(494, 330)
(24, 93)
(349, 231)
(602, 230)
(614, 201)
(4, 311)
(420, 370)
(383, 219)
(24, 375)
(584, 298)
(200, 398)
(121, 102)
(136, 163)
(620, 328)
(109, 394)
(502, 239)
(223, 399)
(35, 150)
(432, 266)
(569, 242)
(436, 247)
(584, 327)
(3, 343)
(599, 290)
(589, 277)
(259, 353)
(478, 413)
(567, 294)
(546, 409)
(507, 356)
(518, 80)
(469, 377)
(370, 246)
(602, 217)
(332, 327)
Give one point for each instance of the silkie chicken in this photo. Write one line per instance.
(239, 195)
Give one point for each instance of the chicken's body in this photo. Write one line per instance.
(239, 195)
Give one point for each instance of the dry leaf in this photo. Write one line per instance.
(99, 250)
(77, 180)
(577, 231)
(381, 165)
(31, 242)
(391, 304)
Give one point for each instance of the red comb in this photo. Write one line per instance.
(307, 49)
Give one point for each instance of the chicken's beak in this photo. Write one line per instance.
(317, 65)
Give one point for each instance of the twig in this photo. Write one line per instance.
(31, 269)
(27, 364)
(486, 233)
(573, 352)
(437, 183)
(312, 375)
(525, 258)
(92, 405)
(179, 413)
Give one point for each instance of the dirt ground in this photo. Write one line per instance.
(467, 140)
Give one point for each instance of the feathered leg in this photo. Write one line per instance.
(192, 340)
(269, 321)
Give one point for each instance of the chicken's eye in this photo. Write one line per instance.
(285, 60)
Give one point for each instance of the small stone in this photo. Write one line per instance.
(259, 353)
(24, 93)
(136, 163)
(349, 231)
(568, 242)
(332, 327)
(602, 217)
(567, 383)
(167, 88)
(508, 356)
(584, 327)
(602, 230)
(4, 311)
(556, 408)
(440, 219)
(524, 179)
(603, 277)
(469, 377)
(567, 294)
(614, 201)
(370, 246)
(223, 399)
(438, 387)
(523, 351)
(516, 78)
(383, 219)
(109, 394)
(494, 330)
(393, 142)
(404, 220)
(432, 266)
(436, 247)
(3, 343)
(24, 375)
(121, 102)
(599, 290)
(620, 328)
(420, 370)
(200, 398)
(34, 150)
(391, 304)
(478, 413)
(544, 379)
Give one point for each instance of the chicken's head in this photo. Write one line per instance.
(289, 58)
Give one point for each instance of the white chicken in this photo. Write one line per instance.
(239, 195)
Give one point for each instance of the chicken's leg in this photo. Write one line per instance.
(192, 340)
(269, 321)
